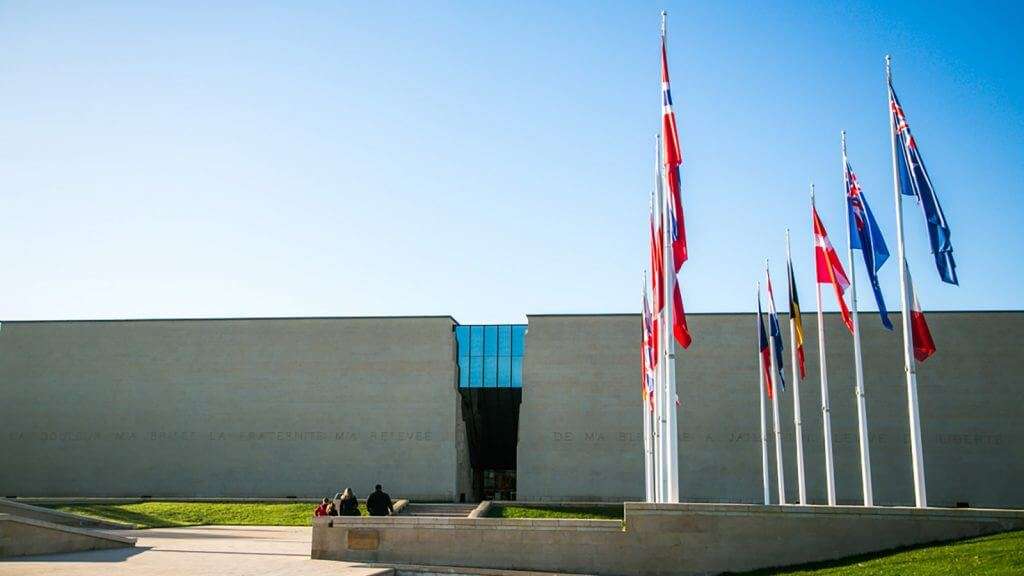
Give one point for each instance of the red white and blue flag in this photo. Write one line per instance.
(763, 350)
(829, 269)
(676, 232)
(648, 354)
(914, 181)
(775, 331)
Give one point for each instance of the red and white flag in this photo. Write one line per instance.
(924, 346)
(829, 268)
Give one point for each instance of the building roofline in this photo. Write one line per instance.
(234, 319)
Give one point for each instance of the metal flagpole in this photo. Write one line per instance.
(760, 388)
(670, 429)
(862, 414)
(826, 418)
(801, 481)
(645, 405)
(909, 364)
(776, 428)
(659, 395)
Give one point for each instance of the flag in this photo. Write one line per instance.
(914, 181)
(647, 352)
(866, 237)
(924, 346)
(829, 269)
(794, 317)
(675, 234)
(775, 332)
(763, 348)
(673, 157)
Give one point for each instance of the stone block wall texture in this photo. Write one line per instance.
(253, 408)
(656, 539)
(580, 422)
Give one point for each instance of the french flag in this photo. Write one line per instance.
(766, 359)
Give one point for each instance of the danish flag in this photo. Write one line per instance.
(829, 269)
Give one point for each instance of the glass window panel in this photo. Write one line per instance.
(490, 371)
(476, 341)
(476, 372)
(462, 340)
(464, 371)
(504, 340)
(490, 340)
(517, 372)
(504, 371)
(518, 340)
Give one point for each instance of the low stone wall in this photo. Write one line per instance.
(27, 536)
(23, 510)
(654, 539)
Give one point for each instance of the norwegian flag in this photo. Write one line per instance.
(676, 229)
(829, 269)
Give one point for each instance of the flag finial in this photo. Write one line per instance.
(664, 17)
(888, 67)
(812, 192)
(842, 136)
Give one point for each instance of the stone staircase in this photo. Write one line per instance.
(438, 510)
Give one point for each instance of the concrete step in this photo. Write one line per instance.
(57, 517)
(438, 510)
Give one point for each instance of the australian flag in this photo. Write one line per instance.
(866, 237)
(914, 181)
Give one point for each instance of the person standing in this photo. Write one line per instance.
(349, 505)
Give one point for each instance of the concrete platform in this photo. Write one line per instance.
(209, 550)
(27, 536)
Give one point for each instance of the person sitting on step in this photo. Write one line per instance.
(349, 504)
(321, 510)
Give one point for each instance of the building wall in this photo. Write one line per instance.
(580, 423)
(260, 408)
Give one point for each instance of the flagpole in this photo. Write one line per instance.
(671, 441)
(801, 480)
(776, 370)
(659, 373)
(862, 418)
(826, 417)
(760, 387)
(909, 364)
(645, 402)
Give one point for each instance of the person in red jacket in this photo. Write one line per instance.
(321, 510)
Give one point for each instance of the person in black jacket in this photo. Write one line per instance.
(379, 503)
(349, 505)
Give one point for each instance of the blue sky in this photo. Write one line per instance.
(483, 160)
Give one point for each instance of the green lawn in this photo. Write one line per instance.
(168, 514)
(575, 512)
(999, 555)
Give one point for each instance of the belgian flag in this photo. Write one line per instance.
(794, 317)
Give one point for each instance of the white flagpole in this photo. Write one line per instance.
(862, 411)
(760, 387)
(909, 363)
(671, 441)
(826, 418)
(645, 406)
(801, 480)
(776, 428)
(659, 394)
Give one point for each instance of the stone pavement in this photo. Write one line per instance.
(205, 550)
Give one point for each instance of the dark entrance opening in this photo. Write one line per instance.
(492, 430)
(490, 363)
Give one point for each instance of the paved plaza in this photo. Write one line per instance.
(213, 550)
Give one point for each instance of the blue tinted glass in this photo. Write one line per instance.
(490, 340)
(490, 371)
(504, 340)
(476, 341)
(518, 340)
(504, 371)
(462, 340)
(476, 372)
(517, 372)
(464, 371)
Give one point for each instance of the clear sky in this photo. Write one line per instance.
(485, 160)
